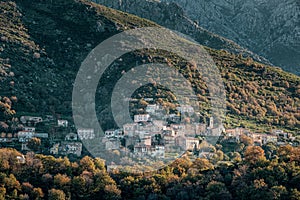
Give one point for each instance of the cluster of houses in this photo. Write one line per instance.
(71, 145)
(157, 138)
(23, 136)
(277, 137)
(150, 134)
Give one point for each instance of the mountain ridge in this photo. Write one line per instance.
(266, 27)
(172, 16)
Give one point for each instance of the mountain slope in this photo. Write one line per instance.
(269, 28)
(173, 17)
(43, 44)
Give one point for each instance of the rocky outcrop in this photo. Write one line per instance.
(172, 16)
(270, 28)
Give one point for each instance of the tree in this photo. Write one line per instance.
(269, 149)
(295, 194)
(236, 157)
(253, 154)
(27, 188)
(181, 165)
(217, 190)
(55, 194)
(2, 193)
(79, 187)
(202, 164)
(295, 156)
(112, 192)
(37, 194)
(246, 140)
(12, 183)
(285, 152)
(260, 190)
(5, 110)
(86, 163)
(62, 182)
(47, 180)
(279, 192)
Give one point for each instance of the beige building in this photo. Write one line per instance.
(112, 144)
(187, 143)
(129, 129)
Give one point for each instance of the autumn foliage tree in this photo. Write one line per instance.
(254, 154)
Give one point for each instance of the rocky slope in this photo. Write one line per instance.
(270, 28)
(173, 17)
(43, 44)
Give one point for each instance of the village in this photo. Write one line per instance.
(150, 134)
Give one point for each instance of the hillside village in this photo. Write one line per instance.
(151, 134)
(166, 149)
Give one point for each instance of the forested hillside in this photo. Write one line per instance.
(43, 45)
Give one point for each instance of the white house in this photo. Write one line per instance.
(270, 138)
(30, 119)
(114, 133)
(110, 133)
(30, 129)
(141, 118)
(21, 159)
(160, 123)
(86, 133)
(41, 135)
(141, 149)
(185, 109)
(62, 123)
(260, 139)
(280, 133)
(206, 155)
(257, 138)
(216, 131)
(25, 136)
(158, 152)
(152, 108)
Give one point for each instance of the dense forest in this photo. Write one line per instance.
(257, 173)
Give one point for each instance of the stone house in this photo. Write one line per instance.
(141, 118)
(187, 143)
(129, 129)
(67, 148)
